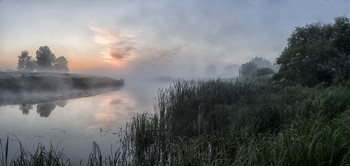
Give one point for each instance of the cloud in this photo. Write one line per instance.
(118, 47)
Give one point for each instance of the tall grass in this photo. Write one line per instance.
(220, 122)
(41, 156)
(4, 151)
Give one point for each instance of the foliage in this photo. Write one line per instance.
(26, 62)
(261, 62)
(256, 67)
(248, 69)
(316, 53)
(61, 64)
(45, 60)
(263, 71)
(21, 60)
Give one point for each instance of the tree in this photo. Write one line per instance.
(26, 62)
(21, 60)
(248, 69)
(45, 59)
(61, 64)
(263, 71)
(30, 64)
(316, 53)
(261, 62)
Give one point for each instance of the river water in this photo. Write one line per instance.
(73, 124)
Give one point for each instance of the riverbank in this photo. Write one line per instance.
(222, 122)
(19, 87)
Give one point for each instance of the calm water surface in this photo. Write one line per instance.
(75, 123)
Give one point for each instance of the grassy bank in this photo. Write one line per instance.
(52, 81)
(18, 87)
(220, 122)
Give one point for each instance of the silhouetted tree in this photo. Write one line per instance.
(248, 69)
(30, 64)
(61, 64)
(26, 62)
(45, 58)
(261, 62)
(316, 53)
(21, 60)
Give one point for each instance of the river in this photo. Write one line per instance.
(73, 124)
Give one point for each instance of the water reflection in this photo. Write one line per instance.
(74, 123)
(43, 109)
(25, 108)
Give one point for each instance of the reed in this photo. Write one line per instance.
(220, 122)
(42, 156)
(4, 152)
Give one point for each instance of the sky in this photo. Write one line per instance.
(156, 36)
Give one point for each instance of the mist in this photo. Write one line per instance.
(131, 61)
(169, 36)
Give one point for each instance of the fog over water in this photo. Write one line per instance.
(73, 124)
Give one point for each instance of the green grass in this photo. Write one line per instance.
(219, 122)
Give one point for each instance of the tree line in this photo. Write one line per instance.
(316, 53)
(45, 60)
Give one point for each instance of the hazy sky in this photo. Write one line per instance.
(156, 35)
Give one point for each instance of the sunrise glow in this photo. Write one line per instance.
(123, 35)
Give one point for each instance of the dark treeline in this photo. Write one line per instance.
(316, 53)
(44, 60)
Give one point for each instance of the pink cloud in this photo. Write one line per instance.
(118, 48)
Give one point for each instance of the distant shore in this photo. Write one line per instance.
(20, 87)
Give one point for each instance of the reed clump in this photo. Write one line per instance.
(221, 122)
